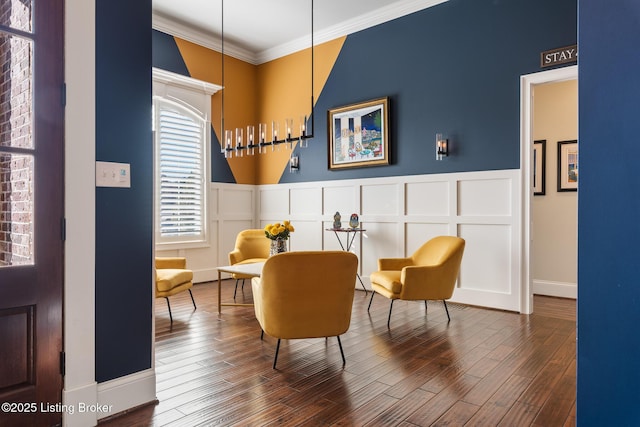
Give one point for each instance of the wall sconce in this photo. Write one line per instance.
(442, 147)
(294, 163)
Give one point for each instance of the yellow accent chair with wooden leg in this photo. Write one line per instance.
(305, 294)
(429, 274)
(251, 246)
(172, 277)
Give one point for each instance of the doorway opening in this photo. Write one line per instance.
(527, 85)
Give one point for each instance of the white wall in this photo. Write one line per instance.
(79, 283)
(554, 232)
(398, 213)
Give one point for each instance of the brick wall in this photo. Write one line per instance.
(16, 121)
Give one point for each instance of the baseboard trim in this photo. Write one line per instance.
(207, 275)
(77, 398)
(555, 289)
(127, 392)
(123, 413)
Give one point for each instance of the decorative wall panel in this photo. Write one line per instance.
(416, 234)
(274, 203)
(381, 199)
(427, 198)
(381, 240)
(484, 197)
(488, 258)
(340, 199)
(307, 236)
(399, 214)
(306, 201)
(237, 201)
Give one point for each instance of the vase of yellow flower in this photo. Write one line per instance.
(278, 246)
(278, 234)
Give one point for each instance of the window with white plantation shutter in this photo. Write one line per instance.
(182, 129)
(181, 169)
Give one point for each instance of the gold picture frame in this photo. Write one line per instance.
(359, 134)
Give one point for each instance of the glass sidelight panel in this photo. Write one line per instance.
(17, 14)
(16, 133)
(16, 86)
(16, 209)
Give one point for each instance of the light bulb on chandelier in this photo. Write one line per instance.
(228, 148)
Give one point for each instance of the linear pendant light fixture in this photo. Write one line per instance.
(234, 142)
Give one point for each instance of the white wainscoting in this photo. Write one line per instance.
(398, 213)
(401, 213)
(231, 208)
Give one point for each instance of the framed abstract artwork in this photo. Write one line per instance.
(568, 165)
(359, 134)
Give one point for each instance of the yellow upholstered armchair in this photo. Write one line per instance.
(429, 274)
(251, 246)
(173, 277)
(307, 294)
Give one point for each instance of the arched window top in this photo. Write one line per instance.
(182, 133)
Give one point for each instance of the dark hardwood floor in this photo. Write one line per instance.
(484, 368)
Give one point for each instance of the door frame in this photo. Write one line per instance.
(527, 82)
(80, 385)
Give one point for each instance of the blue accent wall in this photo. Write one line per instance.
(454, 68)
(124, 216)
(220, 170)
(166, 55)
(608, 212)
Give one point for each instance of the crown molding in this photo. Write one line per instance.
(367, 20)
(362, 22)
(199, 37)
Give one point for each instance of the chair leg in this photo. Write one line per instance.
(390, 308)
(275, 359)
(425, 307)
(446, 309)
(344, 361)
(261, 334)
(371, 300)
(192, 300)
(169, 307)
(236, 290)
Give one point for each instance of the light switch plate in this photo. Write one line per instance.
(110, 174)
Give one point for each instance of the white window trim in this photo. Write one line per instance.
(195, 96)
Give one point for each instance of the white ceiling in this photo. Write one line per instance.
(259, 30)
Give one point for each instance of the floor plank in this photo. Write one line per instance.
(484, 368)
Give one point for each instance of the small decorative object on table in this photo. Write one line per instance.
(337, 224)
(353, 221)
(279, 234)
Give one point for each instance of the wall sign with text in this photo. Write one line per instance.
(561, 55)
